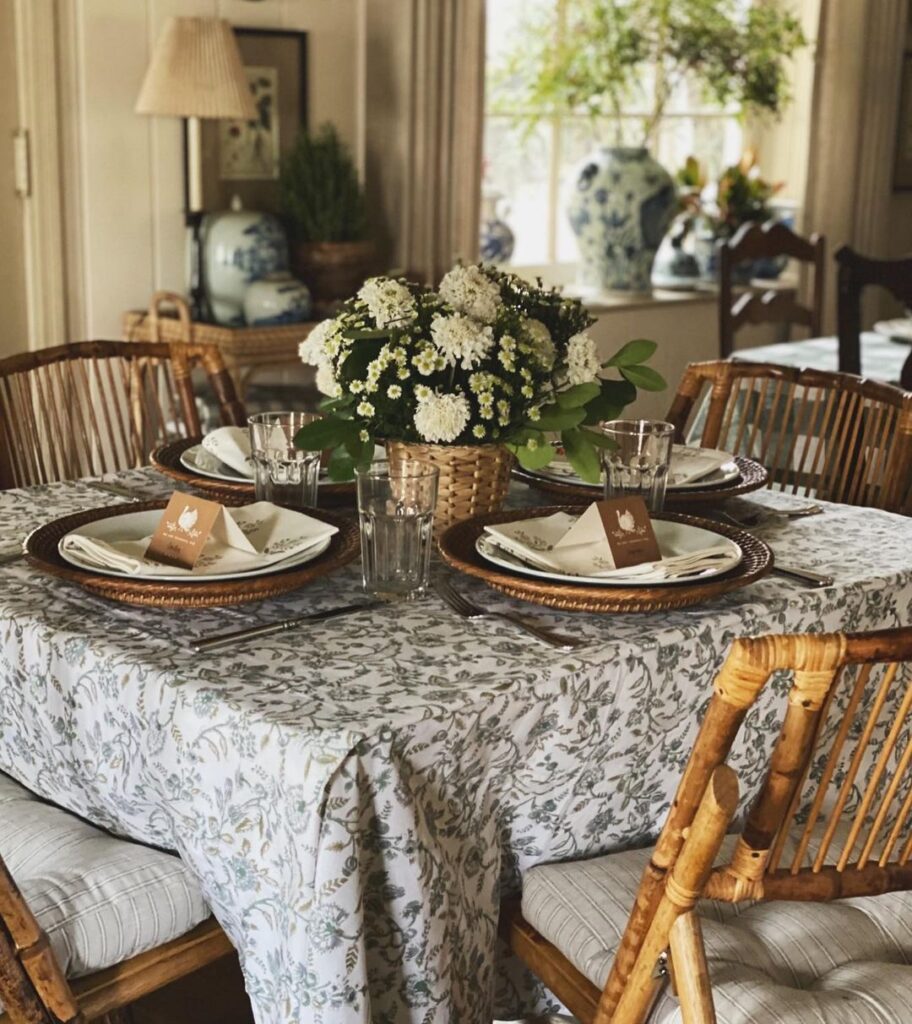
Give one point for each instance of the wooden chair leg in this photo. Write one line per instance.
(690, 971)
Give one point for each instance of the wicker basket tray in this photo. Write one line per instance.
(41, 552)
(753, 477)
(166, 459)
(457, 545)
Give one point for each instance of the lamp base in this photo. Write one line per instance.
(200, 310)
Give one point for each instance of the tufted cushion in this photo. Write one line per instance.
(847, 962)
(100, 899)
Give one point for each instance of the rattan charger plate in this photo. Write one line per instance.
(41, 551)
(167, 459)
(753, 477)
(457, 545)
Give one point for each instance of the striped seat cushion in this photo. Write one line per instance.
(100, 899)
(848, 962)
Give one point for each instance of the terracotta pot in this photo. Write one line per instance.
(333, 271)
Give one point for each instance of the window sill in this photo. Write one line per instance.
(615, 302)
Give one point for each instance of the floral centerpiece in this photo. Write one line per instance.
(488, 364)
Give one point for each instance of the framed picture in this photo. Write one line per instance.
(902, 166)
(243, 157)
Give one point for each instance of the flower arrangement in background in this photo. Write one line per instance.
(487, 358)
(740, 195)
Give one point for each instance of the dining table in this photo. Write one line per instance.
(358, 796)
(882, 357)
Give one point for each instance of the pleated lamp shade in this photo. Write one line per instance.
(196, 71)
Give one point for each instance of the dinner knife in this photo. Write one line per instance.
(210, 643)
(812, 579)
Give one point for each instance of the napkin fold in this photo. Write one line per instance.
(266, 536)
(691, 464)
(535, 542)
(231, 445)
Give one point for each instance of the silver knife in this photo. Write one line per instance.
(812, 579)
(242, 635)
(105, 488)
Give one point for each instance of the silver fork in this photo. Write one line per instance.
(755, 518)
(464, 607)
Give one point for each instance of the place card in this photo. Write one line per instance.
(186, 524)
(624, 523)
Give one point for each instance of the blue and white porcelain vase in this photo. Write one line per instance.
(239, 247)
(277, 299)
(496, 239)
(623, 202)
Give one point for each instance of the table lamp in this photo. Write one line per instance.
(196, 72)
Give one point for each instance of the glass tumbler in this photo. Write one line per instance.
(396, 502)
(638, 463)
(285, 475)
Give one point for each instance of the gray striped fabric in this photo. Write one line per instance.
(848, 962)
(100, 899)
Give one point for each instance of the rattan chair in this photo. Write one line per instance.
(831, 436)
(96, 407)
(832, 820)
(775, 304)
(857, 272)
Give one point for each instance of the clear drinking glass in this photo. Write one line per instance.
(638, 464)
(396, 502)
(285, 475)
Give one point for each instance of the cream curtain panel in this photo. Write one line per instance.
(853, 127)
(424, 113)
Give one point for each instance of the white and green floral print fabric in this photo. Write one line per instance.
(357, 796)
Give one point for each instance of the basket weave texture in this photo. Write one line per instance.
(473, 478)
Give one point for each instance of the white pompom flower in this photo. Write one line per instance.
(582, 359)
(389, 302)
(469, 290)
(460, 339)
(326, 381)
(314, 349)
(440, 419)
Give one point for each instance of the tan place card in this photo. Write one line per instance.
(624, 523)
(186, 524)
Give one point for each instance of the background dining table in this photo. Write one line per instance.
(882, 358)
(357, 796)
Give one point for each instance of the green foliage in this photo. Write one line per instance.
(594, 63)
(321, 196)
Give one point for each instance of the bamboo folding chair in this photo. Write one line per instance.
(831, 436)
(833, 819)
(95, 407)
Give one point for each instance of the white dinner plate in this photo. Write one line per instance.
(674, 539)
(561, 470)
(135, 525)
(896, 330)
(197, 460)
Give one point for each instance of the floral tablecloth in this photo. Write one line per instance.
(357, 796)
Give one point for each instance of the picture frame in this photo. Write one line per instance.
(242, 158)
(902, 164)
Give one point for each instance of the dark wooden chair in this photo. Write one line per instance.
(824, 435)
(95, 407)
(775, 304)
(831, 820)
(857, 272)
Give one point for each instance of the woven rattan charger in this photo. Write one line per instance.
(752, 477)
(41, 551)
(457, 545)
(167, 459)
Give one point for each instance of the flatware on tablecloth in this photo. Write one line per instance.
(788, 571)
(755, 518)
(210, 643)
(464, 607)
(115, 489)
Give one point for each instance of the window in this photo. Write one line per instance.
(531, 170)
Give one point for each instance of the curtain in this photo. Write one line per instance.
(424, 114)
(853, 128)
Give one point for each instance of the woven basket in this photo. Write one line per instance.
(473, 478)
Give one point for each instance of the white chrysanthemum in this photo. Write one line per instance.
(313, 349)
(460, 339)
(539, 337)
(469, 290)
(326, 381)
(582, 359)
(440, 419)
(388, 301)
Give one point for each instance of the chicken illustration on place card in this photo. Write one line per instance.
(618, 530)
(186, 524)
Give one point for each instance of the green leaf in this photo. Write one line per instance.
(582, 455)
(359, 450)
(554, 418)
(615, 396)
(644, 377)
(328, 432)
(599, 440)
(341, 468)
(633, 353)
(366, 333)
(336, 404)
(578, 395)
(533, 458)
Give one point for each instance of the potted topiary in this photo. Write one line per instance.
(593, 64)
(326, 215)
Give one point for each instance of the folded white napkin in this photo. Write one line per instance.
(690, 464)
(273, 535)
(536, 543)
(231, 445)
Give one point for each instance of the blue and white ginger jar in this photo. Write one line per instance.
(496, 240)
(277, 299)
